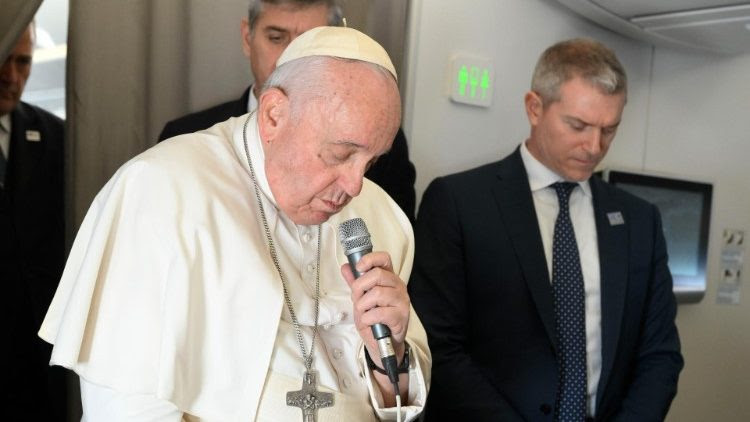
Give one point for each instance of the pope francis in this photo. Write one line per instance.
(207, 282)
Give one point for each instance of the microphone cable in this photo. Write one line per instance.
(398, 401)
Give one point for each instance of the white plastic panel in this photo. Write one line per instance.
(632, 8)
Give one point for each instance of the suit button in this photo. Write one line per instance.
(545, 408)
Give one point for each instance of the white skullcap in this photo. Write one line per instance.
(337, 41)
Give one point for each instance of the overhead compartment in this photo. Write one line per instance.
(715, 25)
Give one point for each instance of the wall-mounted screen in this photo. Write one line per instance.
(685, 208)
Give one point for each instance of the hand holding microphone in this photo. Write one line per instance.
(381, 302)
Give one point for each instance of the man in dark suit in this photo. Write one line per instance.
(545, 292)
(271, 25)
(32, 244)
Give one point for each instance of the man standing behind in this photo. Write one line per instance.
(545, 292)
(270, 26)
(32, 243)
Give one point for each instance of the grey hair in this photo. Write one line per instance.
(584, 58)
(302, 80)
(335, 15)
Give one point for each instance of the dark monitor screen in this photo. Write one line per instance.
(685, 209)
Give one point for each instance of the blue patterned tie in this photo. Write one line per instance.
(570, 319)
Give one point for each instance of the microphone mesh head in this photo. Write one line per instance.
(354, 236)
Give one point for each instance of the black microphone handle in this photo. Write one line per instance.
(378, 330)
(354, 257)
(381, 332)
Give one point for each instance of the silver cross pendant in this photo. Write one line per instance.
(308, 398)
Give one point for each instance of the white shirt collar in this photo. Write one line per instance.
(5, 134)
(5, 123)
(252, 102)
(540, 176)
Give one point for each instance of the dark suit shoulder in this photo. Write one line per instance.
(34, 116)
(478, 177)
(459, 195)
(204, 119)
(200, 120)
(611, 193)
(509, 167)
(396, 174)
(28, 117)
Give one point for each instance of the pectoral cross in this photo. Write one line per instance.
(308, 398)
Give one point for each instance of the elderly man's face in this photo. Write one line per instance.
(315, 165)
(275, 28)
(571, 136)
(15, 72)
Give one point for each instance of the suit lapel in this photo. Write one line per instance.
(613, 242)
(24, 154)
(240, 106)
(514, 200)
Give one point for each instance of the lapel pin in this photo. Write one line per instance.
(615, 218)
(33, 136)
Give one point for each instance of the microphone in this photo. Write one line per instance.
(355, 239)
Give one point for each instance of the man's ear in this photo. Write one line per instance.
(273, 113)
(534, 107)
(245, 31)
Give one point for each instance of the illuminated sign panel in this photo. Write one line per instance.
(472, 80)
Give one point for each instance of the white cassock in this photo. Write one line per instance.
(170, 307)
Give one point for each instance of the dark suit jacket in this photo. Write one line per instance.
(32, 255)
(393, 171)
(482, 290)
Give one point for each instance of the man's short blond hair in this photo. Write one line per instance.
(582, 58)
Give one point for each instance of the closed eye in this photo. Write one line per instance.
(23, 60)
(609, 130)
(337, 153)
(576, 125)
(276, 36)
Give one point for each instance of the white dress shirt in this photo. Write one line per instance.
(584, 225)
(5, 134)
(252, 102)
(170, 308)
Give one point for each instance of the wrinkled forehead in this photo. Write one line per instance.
(368, 86)
(335, 81)
(357, 103)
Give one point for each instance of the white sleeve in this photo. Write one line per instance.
(104, 404)
(420, 365)
(417, 390)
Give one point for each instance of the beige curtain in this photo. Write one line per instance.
(383, 20)
(132, 66)
(111, 69)
(15, 16)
